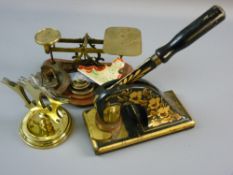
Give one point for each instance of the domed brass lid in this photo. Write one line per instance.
(47, 36)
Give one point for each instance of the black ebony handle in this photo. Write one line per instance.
(191, 33)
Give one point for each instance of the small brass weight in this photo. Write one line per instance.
(47, 124)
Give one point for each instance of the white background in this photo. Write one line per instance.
(201, 76)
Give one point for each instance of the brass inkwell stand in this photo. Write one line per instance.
(127, 110)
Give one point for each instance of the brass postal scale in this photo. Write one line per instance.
(127, 109)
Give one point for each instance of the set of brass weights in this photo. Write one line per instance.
(127, 110)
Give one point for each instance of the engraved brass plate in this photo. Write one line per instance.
(122, 41)
(103, 141)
